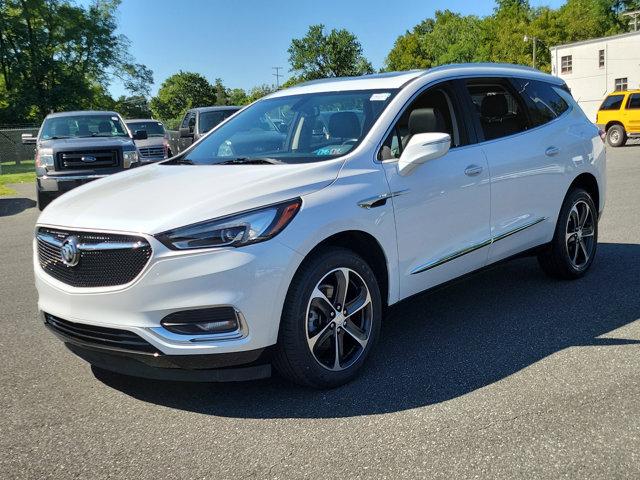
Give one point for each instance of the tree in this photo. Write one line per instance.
(259, 92)
(337, 54)
(237, 96)
(135, 106)
(180, 92)
(221, 92)
(56, 55)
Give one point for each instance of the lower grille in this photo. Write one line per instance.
(103, 259)
(88, 159)
(103, 337)
(148, 152)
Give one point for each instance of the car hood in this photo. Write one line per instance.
(86, 142)
(156, 198)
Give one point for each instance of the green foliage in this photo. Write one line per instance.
(135, 106)
(56, 55)
(180, 92)
(259, 92)
(318, 55)
(454, 38)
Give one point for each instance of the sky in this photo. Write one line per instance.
(240, 41)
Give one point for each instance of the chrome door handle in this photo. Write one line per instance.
(473, 170)
(552, 151)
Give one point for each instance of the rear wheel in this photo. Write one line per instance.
(616, 136)
(330, 321)
(575, 240)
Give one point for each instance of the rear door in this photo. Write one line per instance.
(632, 113)
(527, 145)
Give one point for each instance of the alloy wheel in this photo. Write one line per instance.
(339, 319)
(580, 234)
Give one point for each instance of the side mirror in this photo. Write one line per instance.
(140, 135)
(185, 132)
(421, 148)
(28, 139)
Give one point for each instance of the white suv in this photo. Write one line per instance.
(280, 236)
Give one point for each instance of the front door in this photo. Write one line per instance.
(442, 209)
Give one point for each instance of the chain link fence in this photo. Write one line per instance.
(11, 147)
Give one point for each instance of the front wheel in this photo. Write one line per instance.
(330, 321)
(575, 240)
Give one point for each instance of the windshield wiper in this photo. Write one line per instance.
(251, 161)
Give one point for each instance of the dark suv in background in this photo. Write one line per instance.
(198, 121)
(73, 148)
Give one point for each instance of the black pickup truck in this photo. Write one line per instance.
(73, 148)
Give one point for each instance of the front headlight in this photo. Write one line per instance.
(130, 157)
(44, 158)
(235, 230)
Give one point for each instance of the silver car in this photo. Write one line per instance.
(156, 146)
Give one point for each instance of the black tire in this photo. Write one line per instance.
(616, 136)
(44, 199)
(293, 357)
(557, 259)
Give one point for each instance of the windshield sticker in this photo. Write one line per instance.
(379, 97)
(333, 150)
(115, 119)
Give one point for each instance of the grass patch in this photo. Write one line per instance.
(12, 173)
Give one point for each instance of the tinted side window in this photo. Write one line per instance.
(612, 102)
(634, 101)
(438, 104)
(185, 120)
(499, 112)
(542, 101)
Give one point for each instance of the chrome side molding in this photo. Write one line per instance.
(473, 248)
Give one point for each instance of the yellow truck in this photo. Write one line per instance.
(619, 117)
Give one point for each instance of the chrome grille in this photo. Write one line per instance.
(105, 259)
(88, 159)
(112, 338)
(148, 152)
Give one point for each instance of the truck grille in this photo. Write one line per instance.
(103, 259)
(152, 152)
(88, 159)
(99, 336)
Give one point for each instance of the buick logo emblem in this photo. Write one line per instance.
(69, 252)
(88, 158)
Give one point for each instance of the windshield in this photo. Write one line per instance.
(74, 126)
(294, 128)
(154, 129)
(208, 120)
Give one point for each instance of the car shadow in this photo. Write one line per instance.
(442, 344)
(13, 206)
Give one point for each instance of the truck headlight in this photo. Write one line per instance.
(129, 158)
(237, 230)
(44, 158)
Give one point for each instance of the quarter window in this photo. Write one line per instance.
(621, 84)
(566, 64)
(634, 101)
(499, 112)
(542, 101)
(612, 102)
(600, 58)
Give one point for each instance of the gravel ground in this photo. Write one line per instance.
(506, 374)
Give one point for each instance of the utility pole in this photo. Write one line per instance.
(634, 16)
(535, 46)
(277, 75)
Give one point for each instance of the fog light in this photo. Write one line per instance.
(204, 321)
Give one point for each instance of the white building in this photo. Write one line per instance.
(593, 68)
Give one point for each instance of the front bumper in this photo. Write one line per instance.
(63, 183)
(253, 279)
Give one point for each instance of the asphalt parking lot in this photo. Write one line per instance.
(505, 374)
